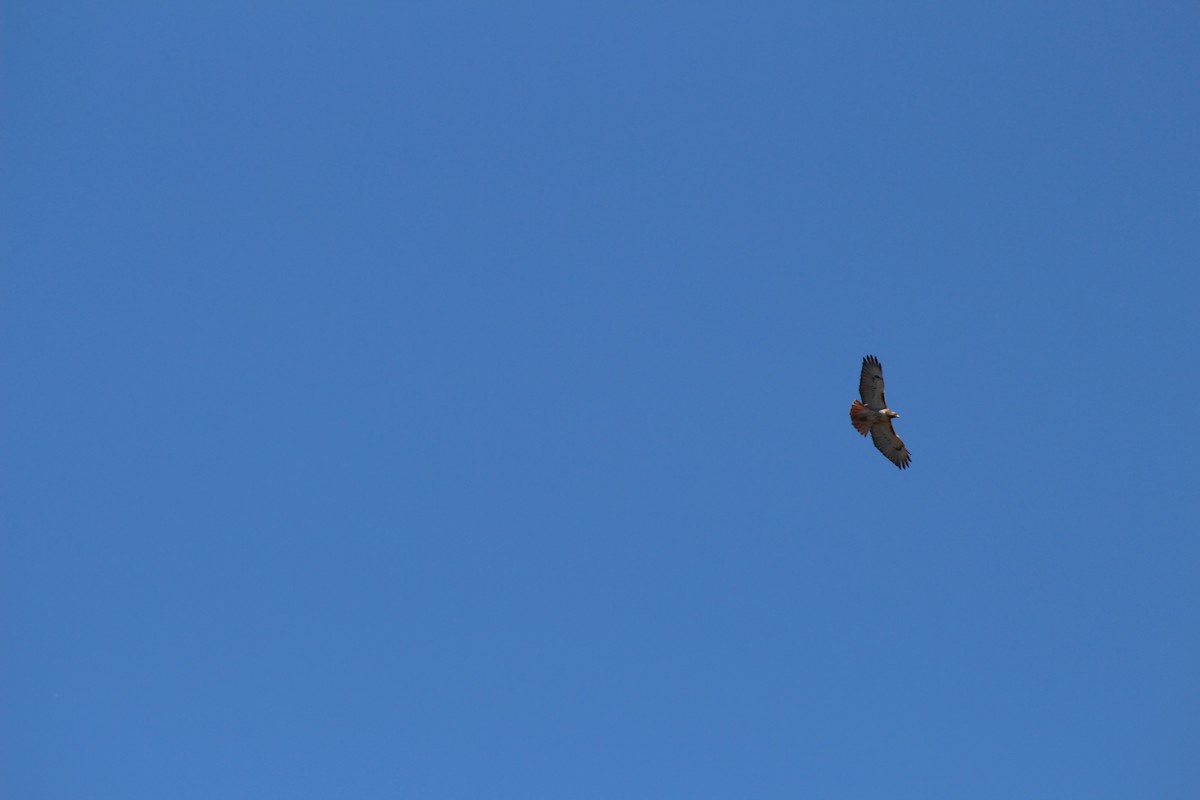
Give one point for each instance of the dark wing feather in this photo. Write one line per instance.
(888, 443)
(870, 384)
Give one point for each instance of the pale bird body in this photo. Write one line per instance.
(872, 415)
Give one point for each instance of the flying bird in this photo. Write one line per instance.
(872, 414)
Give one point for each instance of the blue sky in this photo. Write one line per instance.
(449, 400)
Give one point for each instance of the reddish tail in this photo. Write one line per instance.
(858, 418)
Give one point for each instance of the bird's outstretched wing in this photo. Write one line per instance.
(888, 443)
(870, 384)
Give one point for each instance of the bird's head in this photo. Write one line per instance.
(892, 414)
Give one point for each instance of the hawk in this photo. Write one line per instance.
(872, 414)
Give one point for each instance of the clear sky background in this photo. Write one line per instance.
(449, 400)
